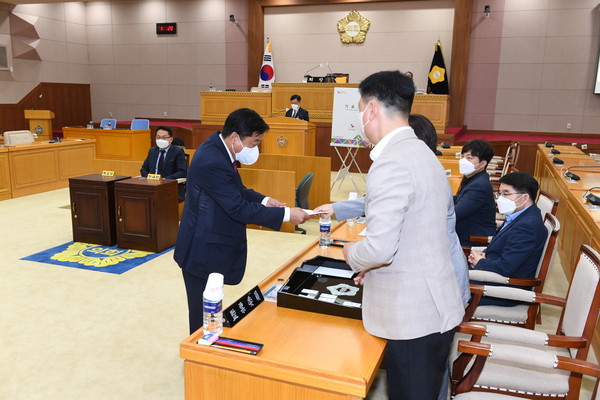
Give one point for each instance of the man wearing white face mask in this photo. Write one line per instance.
(474, 201)
(212, 232)
(296, 111)
(411, 296)
(516, 248)
(165, 160)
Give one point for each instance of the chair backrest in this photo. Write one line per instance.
(512, 154)
(140, 124)
(553, 226)
(547, 203)
(14, 137)
(303, 190)
(583, 300)
(106, 121)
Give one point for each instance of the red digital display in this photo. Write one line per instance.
(166, 28)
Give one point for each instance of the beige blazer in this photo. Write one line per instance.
(409, 290)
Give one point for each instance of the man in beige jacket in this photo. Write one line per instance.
(410, 294)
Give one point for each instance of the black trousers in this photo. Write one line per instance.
(415, 367)
(194, 287)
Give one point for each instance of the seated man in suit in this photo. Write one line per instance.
(296, 111)
(516, 248)
(166, 160)
(474, 202)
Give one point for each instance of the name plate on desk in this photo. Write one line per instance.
(108, 173)
(242, 307)
(154, 177)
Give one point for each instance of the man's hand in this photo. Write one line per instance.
(274, 203)
(298, 216)
(474, 258)
(328, 208)
(360, 278)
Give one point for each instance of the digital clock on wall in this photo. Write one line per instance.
(166, 28)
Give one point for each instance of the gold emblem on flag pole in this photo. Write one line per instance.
(353, 28)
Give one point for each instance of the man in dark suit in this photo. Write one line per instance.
(166, 160)
(296, 111)
(474, 202)
(212, 232)
(516, 248)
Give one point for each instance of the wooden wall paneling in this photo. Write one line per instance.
(5, 190)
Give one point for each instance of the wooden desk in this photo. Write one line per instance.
(305, 355)
(450, 152)
(115, 144)
(578, 224)
(5, 191)
(215, 106)
(289, 136)
(40, 166)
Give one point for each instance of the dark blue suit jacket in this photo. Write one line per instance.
(515, 251)
(175, 163)
(212, 232)
(301, 114)
(475, 209)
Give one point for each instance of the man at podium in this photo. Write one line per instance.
(296, 111)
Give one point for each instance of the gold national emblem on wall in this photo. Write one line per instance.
(353, 28)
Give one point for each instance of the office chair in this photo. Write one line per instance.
(302, 196)
(14, 137)
(106, 121)
(137, 124)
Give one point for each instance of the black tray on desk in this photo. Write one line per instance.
(299, 290)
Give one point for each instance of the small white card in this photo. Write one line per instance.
(312, 212)
(340, 273)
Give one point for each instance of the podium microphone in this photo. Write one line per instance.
(321, 65)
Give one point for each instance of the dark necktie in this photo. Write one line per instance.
(161, 162)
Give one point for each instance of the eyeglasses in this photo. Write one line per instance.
(163, 137)
(506, 195)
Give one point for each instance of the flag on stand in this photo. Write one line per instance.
(267, 71)
(437, 80)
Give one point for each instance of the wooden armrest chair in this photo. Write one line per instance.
(572, 340)
(529, 359)
(519, 315)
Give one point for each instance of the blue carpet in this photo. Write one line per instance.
(93, 257)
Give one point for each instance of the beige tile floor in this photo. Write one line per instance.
(74, 334)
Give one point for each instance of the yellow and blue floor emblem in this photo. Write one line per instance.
(93, 257)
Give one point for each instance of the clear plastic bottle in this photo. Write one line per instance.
(213, 304)
(351, 196)
(325, 228)
(211, 87)
(91, 125)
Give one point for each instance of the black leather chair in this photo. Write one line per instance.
(302, 196)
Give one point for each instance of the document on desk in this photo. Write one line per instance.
(339, 273)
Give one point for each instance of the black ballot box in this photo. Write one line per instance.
(322, 285)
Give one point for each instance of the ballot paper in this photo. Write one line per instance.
(340, 273)
(312, 212)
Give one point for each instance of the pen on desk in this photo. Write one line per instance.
(234, 349)
(247, 346)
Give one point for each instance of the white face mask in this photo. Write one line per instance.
(248, 155)
(465, 166)
(506, 206)
(361, 125)
(162, 143)
(295, 107)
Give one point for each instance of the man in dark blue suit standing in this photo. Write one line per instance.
(516, 248)
(474, 202)
(166, 160)
(212, 232)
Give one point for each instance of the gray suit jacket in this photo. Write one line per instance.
(409, 287)
(355, 208)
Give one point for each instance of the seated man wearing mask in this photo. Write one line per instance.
(516, 248)
(166, 160)
(296, 111)
(474, 202)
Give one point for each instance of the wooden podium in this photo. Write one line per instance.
(147, 214)
(289, 136)
(40, 122)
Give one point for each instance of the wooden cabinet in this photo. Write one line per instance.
(93, 208)
(147, 214)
